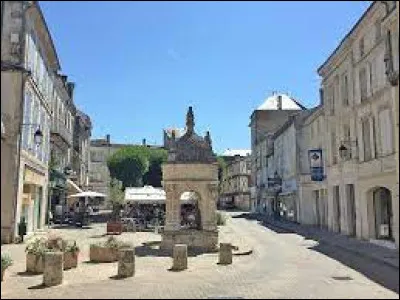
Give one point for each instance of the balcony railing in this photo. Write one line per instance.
(59, 131)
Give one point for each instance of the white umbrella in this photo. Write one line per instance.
(87, 194)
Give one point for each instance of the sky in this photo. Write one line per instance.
(138, 66)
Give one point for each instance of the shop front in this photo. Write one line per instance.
(57, 195)
(288, 204)
(32, 200)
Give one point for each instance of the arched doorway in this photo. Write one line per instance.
(383, 213)
(190, 211)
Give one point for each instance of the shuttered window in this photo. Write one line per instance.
(386, 132)
(363, 84)
(366, 133)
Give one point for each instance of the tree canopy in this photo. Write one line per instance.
(137, 165)
(153, 176)
(129, 164)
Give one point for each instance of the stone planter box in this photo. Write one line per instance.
(114, 227)
(70, 260)
(103, 254)
(34, 263)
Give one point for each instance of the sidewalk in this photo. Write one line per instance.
(360, 247)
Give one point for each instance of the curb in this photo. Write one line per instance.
(360, 253)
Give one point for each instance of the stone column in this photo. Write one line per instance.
(179, 257)
(225, 253)
(208, 207)
(126, 263)
(172, 222)
(53, 268)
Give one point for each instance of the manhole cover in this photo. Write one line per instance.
(342, 278)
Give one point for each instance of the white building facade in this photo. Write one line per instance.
(313, 195)
(264, 122)
(236, 182)
(41, 60)
(358, 100)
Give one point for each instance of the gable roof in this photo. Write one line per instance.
(288, 103)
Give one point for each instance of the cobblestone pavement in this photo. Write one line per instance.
(281, 266)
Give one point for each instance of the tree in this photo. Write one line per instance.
(129, 164)
(116, 191)
(156, 158)
(117, 197)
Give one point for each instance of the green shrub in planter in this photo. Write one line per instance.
(6, 261)
(107, 251)
(37, 247)
(35, 250)
(71, 251)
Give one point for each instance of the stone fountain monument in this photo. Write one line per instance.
(191, 167)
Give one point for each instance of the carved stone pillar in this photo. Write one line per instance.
(172, 206)
(209, 206)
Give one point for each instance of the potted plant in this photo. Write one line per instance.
(71, 252)
(106, 251)
(34, 255)
(114, 225)
(6, 261)
(37, 247)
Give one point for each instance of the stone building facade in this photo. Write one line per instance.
(61, 142)
(359, 101)
(29, 62)
(312, 192)
(81, 150)
(100, 151)
(236, 182)
(282, 169)
(37, 114)
(264, 122)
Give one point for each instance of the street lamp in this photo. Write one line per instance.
(38, 136)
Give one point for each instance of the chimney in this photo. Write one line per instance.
(279, 102)
(70, 89)
(108, 139)
(64, 78)
(144, 142)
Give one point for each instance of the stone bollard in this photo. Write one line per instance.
(179, 257)
(225, 253)
(126, 262)
(53, 268)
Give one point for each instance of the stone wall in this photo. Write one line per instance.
(194, 239)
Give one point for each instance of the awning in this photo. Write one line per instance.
(73, 188)
(87, 194)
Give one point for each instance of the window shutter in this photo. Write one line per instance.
(386, 132)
